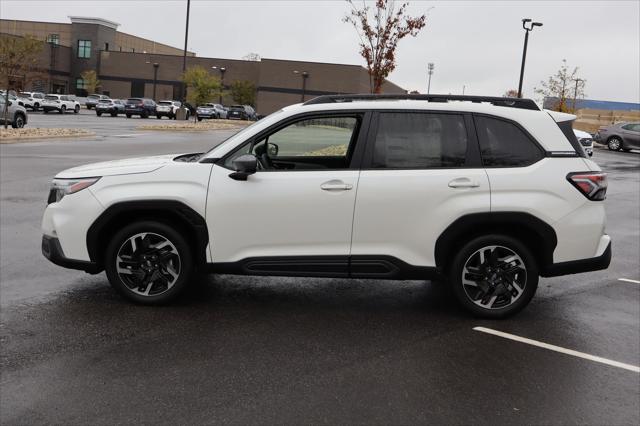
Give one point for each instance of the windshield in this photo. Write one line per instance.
(164, 103)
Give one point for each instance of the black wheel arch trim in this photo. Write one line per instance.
(130, 211)
(517, 224)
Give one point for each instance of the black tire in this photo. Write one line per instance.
(504, 304)
(199, 118)
(184, 263)
(114, 114)
(18, 121)
(144, 115)
(128, 115)
(614, 143)
(98, 113)
(76, 109)
(45, 111)
(159, 117)
(36, 106)
(88, 106)
(63, 109)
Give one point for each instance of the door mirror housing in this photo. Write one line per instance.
(273, 149)
(244, 165)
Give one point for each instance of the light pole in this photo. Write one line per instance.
(184, 52)
(528, 25)
(575, 93)
(155, 77)
(430, 67)
(222, 71)
(305, 76)
(463, 89)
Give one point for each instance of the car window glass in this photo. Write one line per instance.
(503, 144)
(420, 141)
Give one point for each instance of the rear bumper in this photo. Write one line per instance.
(577, 266)
(52, 250)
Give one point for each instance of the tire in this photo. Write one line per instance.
(76, 109)
(199, 118)
(114, 114)
(98, 113)
(614, 143)
(128, 115)
(177, 266)
(144, 115)
(45, 111)
(482, 280)
(159, 117)
(63, 109)
(88, 107)
(36, 106)
(18, 121)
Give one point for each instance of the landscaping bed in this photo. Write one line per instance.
(11, 135)
(190, 125)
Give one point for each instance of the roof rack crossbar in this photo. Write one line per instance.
(494, 100)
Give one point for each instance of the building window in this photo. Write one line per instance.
(53, 39)
(80, 84)
(84, 49)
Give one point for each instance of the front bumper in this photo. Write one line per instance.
(52, 250)
(577, 266)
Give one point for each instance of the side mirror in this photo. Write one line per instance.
(273, 150)
(245, 165)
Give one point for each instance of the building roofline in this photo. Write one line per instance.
(314, 62)
(94, 21)
(36, 22)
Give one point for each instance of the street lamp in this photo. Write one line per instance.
(528, 25)
(304, 75)
(184, 53)
(430, 67)
(155, 77)
(222, 71)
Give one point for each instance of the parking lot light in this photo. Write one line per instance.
(528, 25)
(304, 75)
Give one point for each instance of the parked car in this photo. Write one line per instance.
(620, 136)
(482, 194)
(143, 107)
(34, 99)
(60, 103)
(92, 100)
(16, 114)
(241, 112)
(586, 140)
(110, 106)
(211, 111)
(167, 109)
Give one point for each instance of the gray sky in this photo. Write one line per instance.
(477, 44)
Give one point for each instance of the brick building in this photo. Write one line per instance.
(131, 66)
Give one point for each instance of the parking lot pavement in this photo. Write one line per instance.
(289, 350)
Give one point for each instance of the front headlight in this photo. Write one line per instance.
(62, 187)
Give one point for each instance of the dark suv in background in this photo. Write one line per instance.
(143, 107)
(241, 112)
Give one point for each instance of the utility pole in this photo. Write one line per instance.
(575, 93)
(184, 53)
(463, 88)
(528, 26)
(430, 67)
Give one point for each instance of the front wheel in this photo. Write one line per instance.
(76, 109)
(36, 106)
(63, 109)
(494, 276)
(128, 115)
(148, 262)
(98, 113)
(18, 122)
(614, 144)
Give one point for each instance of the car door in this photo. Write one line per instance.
(421, 171)
(294, 216)
(631, 135)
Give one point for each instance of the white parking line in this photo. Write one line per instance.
(594, 358)
(628, 280)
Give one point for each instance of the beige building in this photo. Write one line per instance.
(131, 66)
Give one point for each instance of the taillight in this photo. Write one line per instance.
(592, 185)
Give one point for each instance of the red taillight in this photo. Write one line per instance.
(592, 185)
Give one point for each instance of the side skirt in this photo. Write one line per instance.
(359, 266)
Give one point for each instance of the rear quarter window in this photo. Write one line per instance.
(503, 144)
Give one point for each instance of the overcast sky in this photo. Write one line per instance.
(476, 44)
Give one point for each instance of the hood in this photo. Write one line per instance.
(117, 167)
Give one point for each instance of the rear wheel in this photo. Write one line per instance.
(76, 109)
(128, 115)
(614, 144)
(148, 262)
(159, 117)
(98, 113)
(36, 106)
(63, 109)
(18, 122)
(494, 276)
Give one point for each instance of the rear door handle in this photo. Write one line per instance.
(463, 183)
(336, 185)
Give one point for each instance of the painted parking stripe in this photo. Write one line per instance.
(628, 280)
(594, 358)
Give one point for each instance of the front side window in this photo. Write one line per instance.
(420, 141)
(503, 144)
(309, 144)
(84, 49)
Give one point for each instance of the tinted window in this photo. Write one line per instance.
(134, 100)
(420, 141)
(503, 144)
(51, 97)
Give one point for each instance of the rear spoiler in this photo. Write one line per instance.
(559, 117)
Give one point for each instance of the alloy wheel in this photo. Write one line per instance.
(614, 144)
(148, 264)
(19, 122)
(494, 277)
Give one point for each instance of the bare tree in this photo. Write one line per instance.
(562, 86)
(18, 64)
(511, 93)
(380, 29)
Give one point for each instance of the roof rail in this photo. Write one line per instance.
(494, 100)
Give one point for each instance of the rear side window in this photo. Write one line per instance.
(503, 144)
(567, 130)
(420, 141)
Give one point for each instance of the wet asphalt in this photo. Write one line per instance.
(250, 350)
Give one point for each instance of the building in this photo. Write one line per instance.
(131, 66)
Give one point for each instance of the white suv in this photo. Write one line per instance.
(60, 103)
(486, 193)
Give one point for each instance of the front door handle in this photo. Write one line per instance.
(463, 183)
(336, 185)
